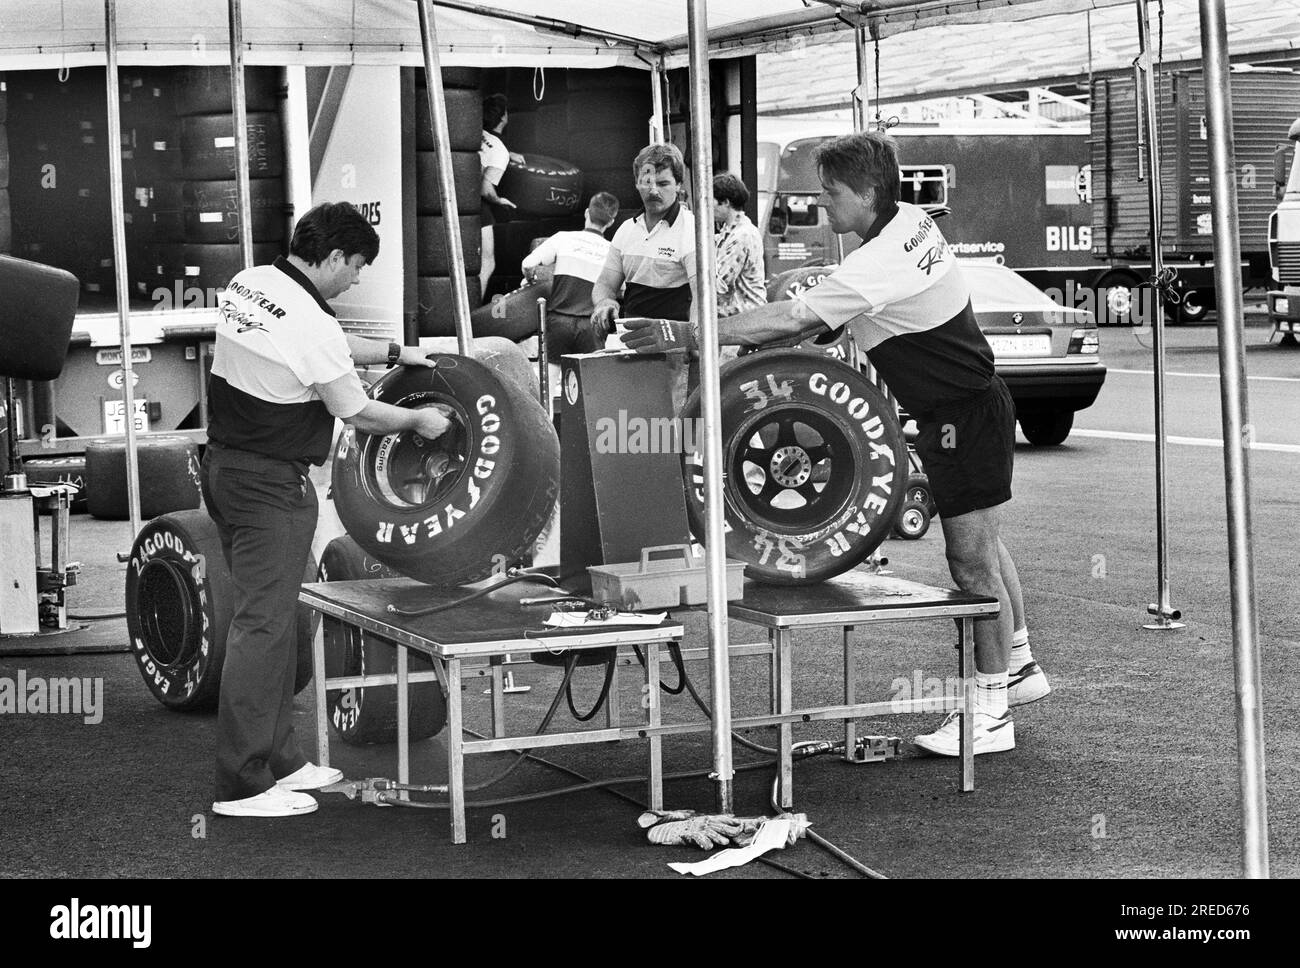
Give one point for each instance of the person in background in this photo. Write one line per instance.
(493, 158)
(578, 258)
(738, 247)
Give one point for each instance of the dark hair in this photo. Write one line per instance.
(661, 156)
(330, 226)
(730, 189)
(866, 161)
(602, 209)
(494, 109)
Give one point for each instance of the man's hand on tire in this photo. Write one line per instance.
(431, 422)
(413, 356)
(658, 335)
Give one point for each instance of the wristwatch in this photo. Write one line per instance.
(394, 354)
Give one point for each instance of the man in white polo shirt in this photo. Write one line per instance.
(903, 293)
(282, 370)
(651, 261)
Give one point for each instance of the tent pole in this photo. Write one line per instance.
(859, 97)
(446, 187)
(118, 204)
(658, 128)
(240, 111)
(1165, 614)
(715, 548)
(1238, 435)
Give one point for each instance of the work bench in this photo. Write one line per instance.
(460, 641)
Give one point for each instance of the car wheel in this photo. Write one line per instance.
(1047, 429)
(369, 715)
(918, 491)
(814, 464)
(179, 601)
(1120, 305)
(448, 511)
(1193, 308)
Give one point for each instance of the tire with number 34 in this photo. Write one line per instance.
(814, 466)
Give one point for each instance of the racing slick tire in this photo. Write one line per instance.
(169, 476)
(449, 511)
(542, 187)
(814, 466)
(179, 600)
(369, 715)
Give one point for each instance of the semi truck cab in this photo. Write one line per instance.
(1284, 242)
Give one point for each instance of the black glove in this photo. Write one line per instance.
(658, 335)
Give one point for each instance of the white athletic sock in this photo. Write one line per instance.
(991, 693)
(1020, 654)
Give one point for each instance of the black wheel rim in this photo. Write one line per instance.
(792, 468)
(167, 608)
(405, 472)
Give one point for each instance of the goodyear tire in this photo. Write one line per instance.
(206, 90)
(814, 465)
(466, 174)
(512, 315)
(433, 257)
(60, 470)
(791, 282)
(169, 476)
(211, 210)
(435, 313)
(918, 490)
(369, 715)
(443, 511)
(464, 119)
(208, 146)
(179, 599)
(542, 187)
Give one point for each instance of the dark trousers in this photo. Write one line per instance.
(265, 512)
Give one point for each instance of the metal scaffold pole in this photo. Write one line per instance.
(715, 549)
(1237, 439)
(240, 111)
(1166, 616)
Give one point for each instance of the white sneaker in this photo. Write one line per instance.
(992, 735)
(1027, 685)
(275, 802)
(310, 777)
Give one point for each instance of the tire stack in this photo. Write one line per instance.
(464, 100)
(206, 192)
(6, 220)
(58, 188)
(606, 118)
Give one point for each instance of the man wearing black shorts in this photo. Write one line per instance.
(903, 294)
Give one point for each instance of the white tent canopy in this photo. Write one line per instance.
(44, 33)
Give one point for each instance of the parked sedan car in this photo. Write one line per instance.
(1046, 353)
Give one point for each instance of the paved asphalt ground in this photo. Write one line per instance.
(1128, 769)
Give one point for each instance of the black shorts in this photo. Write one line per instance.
(967, 450)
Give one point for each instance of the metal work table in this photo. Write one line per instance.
(486, 629)
(851, 599)
(492, 627)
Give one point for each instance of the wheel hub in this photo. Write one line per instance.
(791, 466)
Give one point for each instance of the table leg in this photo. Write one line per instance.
(612, 717)
(322, 712)
(850, 693)
(403, 720)
(966, 658)
(773, 673)
(455, 752)
(785, 703)
(498, 697)
(651, 702)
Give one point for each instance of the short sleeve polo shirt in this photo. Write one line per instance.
(657, 264)
(903, 294)
(276, 337)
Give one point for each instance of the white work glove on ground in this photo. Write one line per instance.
(686, 827)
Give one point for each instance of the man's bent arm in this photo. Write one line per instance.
(345, 399)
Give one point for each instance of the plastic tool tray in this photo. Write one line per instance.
(665, 577)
